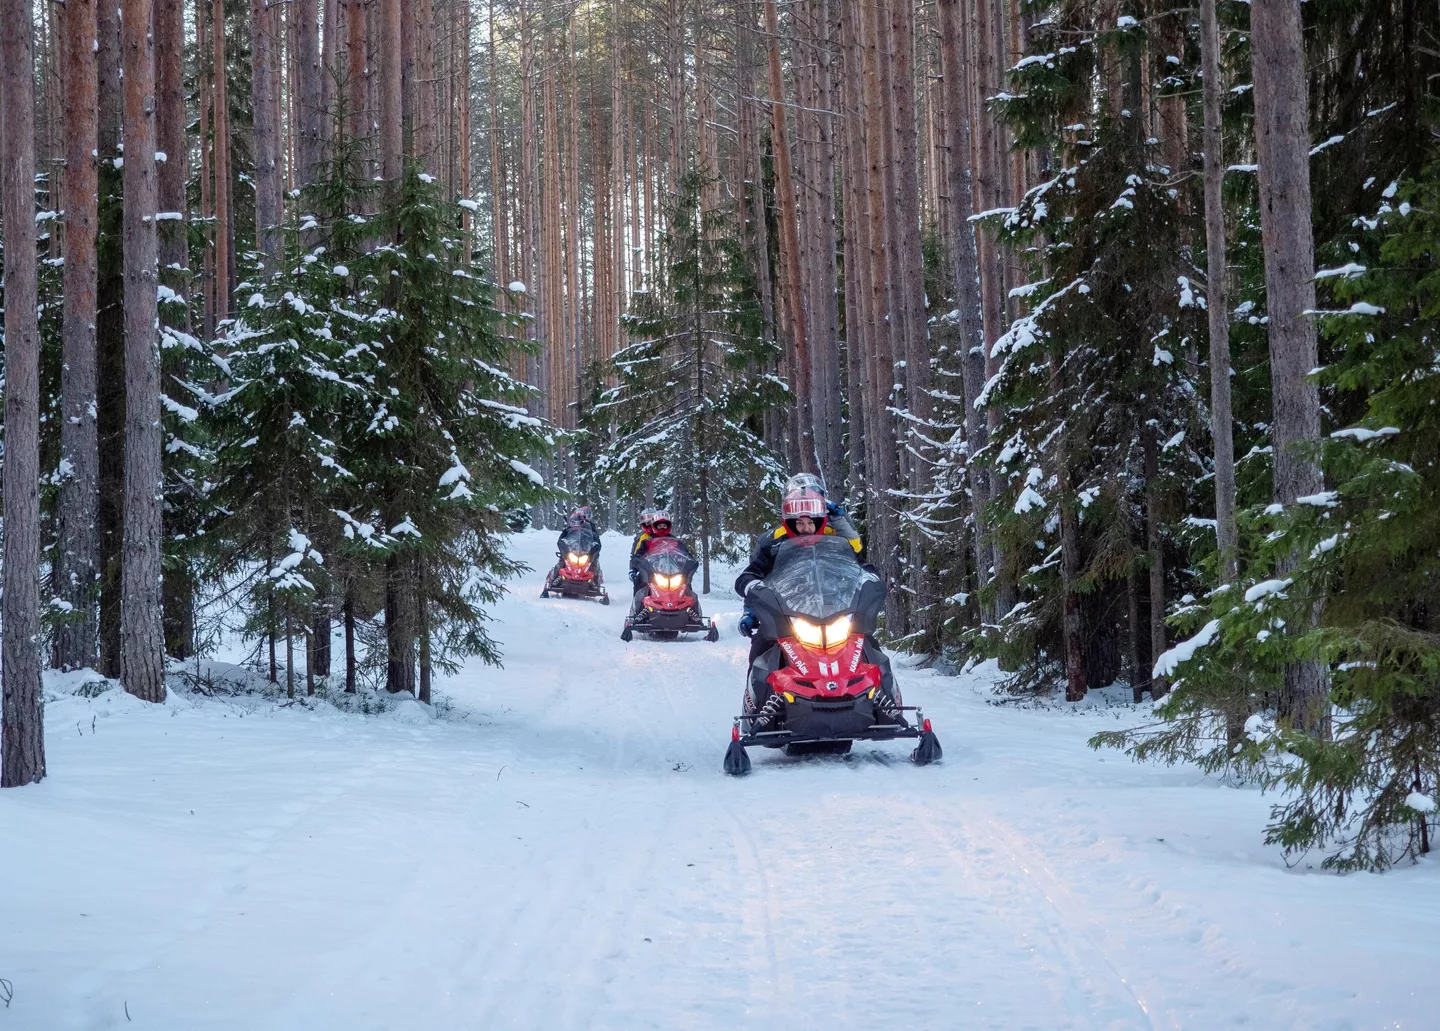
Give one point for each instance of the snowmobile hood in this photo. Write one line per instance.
(818, 577)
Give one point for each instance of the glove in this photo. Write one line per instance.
(635, 577)
(748, 624)
(833, 509)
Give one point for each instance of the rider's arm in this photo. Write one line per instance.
(762, 561)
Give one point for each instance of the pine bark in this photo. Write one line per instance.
(424, 134)
(790, 245)
(22, 718)
(223, 225)
(110, 336)
(1282, 145)
(392, 154)
(965, 263)
(1216, 296)
(142, 649)
(356, 79)
(333, 32)
(265, 72)
(309, 152)
(174, 256)
(1155, 547)
(77, 554)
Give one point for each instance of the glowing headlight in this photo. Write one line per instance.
(668, 583)
(578, 559)
(808, 633)
(838, 632)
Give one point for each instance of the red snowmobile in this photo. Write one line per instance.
(668, 607)
(824, 684)
(577, 574)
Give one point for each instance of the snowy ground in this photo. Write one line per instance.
(562, 852)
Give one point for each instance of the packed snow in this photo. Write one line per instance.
(553, 846)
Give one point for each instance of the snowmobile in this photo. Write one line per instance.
(577, 574)
(824, 684)
(669, 607)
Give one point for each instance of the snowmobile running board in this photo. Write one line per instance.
(882, 732)
(927, 751)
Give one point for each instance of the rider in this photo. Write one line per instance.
(580, 519)
(803, 512)
(660, 526)
(833, 521)
(647, 522)
(836, 521)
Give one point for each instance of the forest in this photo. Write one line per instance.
(1112, 323)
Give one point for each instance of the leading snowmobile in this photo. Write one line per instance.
(666, 605)
(824, 683)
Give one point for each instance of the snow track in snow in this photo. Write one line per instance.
(563, 852)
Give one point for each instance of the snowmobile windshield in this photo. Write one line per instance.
(667, 556)
(817, 576)
(581, 540)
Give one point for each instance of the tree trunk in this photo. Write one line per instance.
(1282, 145)
(424, 134)
(318, 654)
(349, 618)
(1216, 296)
(357, 87)
(392, 154)
(422, 614)
(77, 554)
(1139, 673)
(309, 99)
(178, 590)
(223, 229)
(23, 714)
(790, 245)
(988, 145)
(142, 647)
(333, 29)
(264, 70)
(399, 628)
(964, 263)
(1155, 546)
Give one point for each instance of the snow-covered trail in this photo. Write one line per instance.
(568, 856)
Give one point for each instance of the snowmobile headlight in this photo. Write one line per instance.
(807, 633)
(837, 632)
(668, 583)
(578, 559)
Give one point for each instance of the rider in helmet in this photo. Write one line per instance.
(580, 519)
(803, 512)
(660, 527)
(836, 521)
(647, 520)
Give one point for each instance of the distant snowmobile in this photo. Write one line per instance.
(669, 607)
(577, 574)
(824, 684)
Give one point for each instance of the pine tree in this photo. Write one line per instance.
(688, 388)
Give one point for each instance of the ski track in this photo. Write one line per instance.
(564, 854)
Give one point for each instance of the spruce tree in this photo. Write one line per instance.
(689, 387)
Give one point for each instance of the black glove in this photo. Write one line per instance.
(635, 577)
(748, 624)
